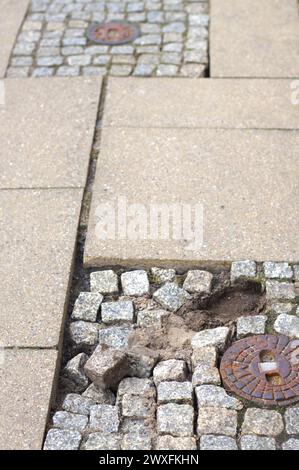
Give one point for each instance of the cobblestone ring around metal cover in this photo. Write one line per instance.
(113, 33)
(263, 369)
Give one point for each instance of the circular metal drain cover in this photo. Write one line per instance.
(113, 33)
(263, 369)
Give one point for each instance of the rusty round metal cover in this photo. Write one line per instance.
(263, 369)
(113, 33)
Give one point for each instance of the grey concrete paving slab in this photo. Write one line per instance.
(254, 38)
(38, 233)
(26, 384)
(12, 13)
(245, 180)
(47, 128)
(208, 103)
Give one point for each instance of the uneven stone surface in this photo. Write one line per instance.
(106, 367)
(172, 369)
(213, 337)
(114, 312)
(230, 103)
(135, 283)
(176, 392)
(75, 403)
(83, 333)
(62, 439)
(287, 325)
(247, 48)
(242, 269)
(262, 422)
(105, 282)
(198, 282)
(205, 374)
(254, 325)
(171, 296)
(25, 395)
(115, 337)
(160, 275)
(206, 355)
(136, 386)
(71, 106)
(137, 406)
(104, 418)
(292, 420)
(74, 371)
(168, 423)
(87, 306)
(152, 318)
(217, 443)
(176, 443)
(252, 442)
(218, 421)
(99, 396)
(234, 231)
(210, 395)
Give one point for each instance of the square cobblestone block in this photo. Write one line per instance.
(218, 421)
(171, 297)
(175, 392)
(62, 439)
(262, 422)
(87, 306)
(170, 370)
(119, 311)
(176, 420)
(105, 282)
(104, 418)
(210, 442)
(135, 283)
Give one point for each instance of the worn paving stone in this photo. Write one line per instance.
(247, 48)
(230, 103)
(62, 439)
(234, 230)
(106, 367)
(99, 396)
(218, 421)
(206, 355)
(136, 386)
(280, 290)
(210, 442)
(176, 420)
(75, 403)
(176, 443)
(252, 442)
(105, 282)
(292, 420)
(287, 325)
(214, 337)
(74, 371)
(71, 105)
(242, 269)
(135, 283)
(102, 441)
(211, 395)
(170, 296)
(169, 370)
(87, 306)
(134, 406)
(291, 444)
(83, 334)
(26, 384)
(251, 325)
(10, 23)
(262, 422)
(278, 270)
(205, 374)
(66, 420)
(152, 318)
(175, 392)
(198, 282)
(104, 418)
(120, 311)
(115, 337)
(35, 264)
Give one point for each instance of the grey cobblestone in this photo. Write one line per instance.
(217, 443)
(63, 24)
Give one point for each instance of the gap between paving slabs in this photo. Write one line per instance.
(142, 353)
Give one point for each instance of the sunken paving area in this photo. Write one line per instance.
(173, 39)
(114, 333)
(142, 356)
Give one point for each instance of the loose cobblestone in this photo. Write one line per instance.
(160, 23)
(253, 325)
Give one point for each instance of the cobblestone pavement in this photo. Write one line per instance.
(141, 372)
(53, 39)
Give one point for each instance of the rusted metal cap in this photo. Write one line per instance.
(263, 369)
(113, 33)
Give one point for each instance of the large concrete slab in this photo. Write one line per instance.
(47, 127)
(38, 234)
(208, 103)
(26, 384)
(246, 181)
(12, 13)
(254, 38)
